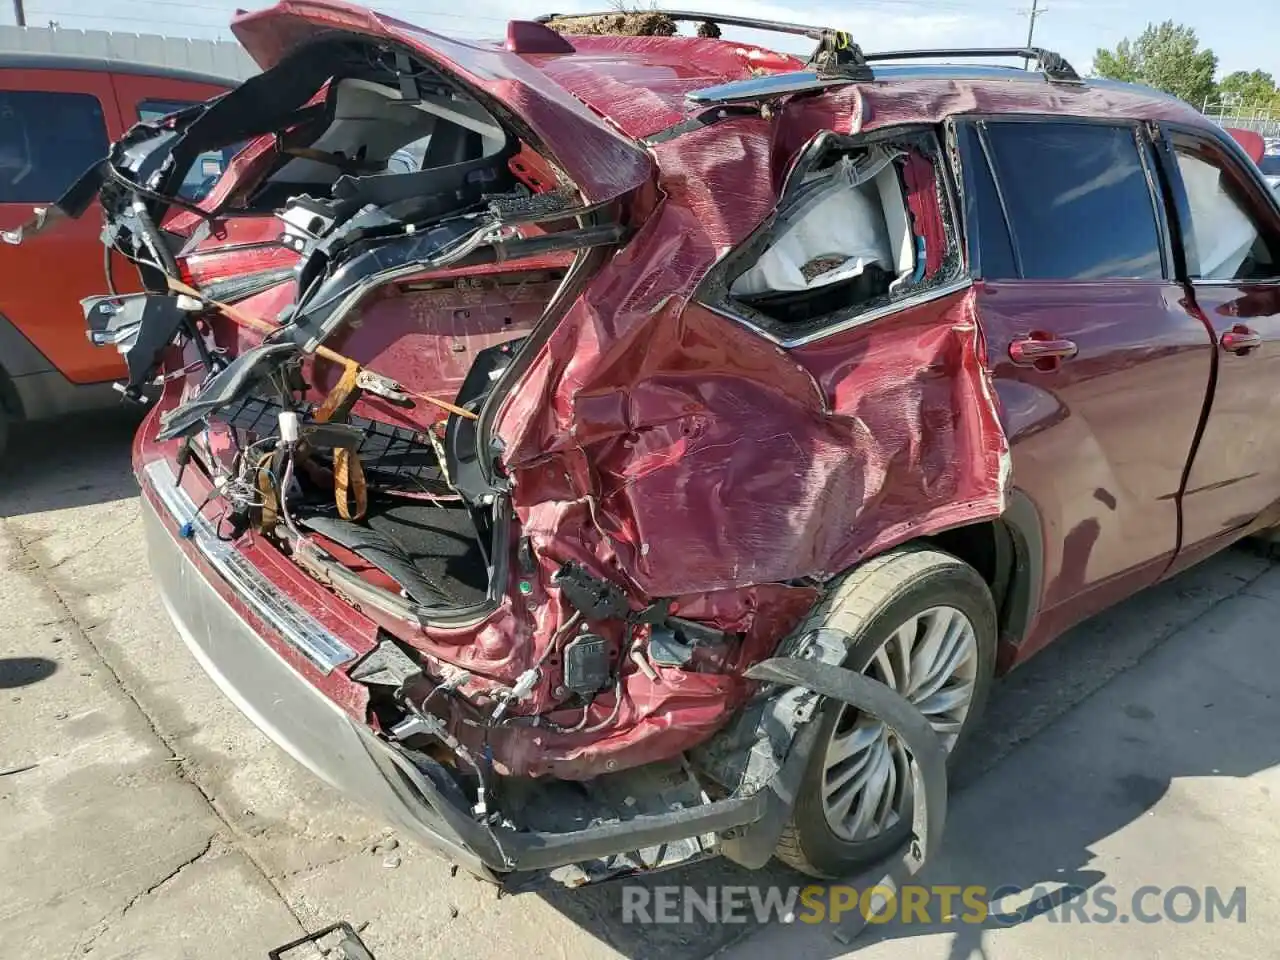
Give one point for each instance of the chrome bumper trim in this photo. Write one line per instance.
(299, 630)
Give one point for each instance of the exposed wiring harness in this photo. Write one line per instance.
(527, 679)
(285, 483)
(581, 726)
(420, 721)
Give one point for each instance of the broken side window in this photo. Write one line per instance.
(863, 228)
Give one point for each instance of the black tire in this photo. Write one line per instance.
(4, 431)
(868, 605)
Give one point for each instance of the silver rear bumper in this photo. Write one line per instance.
(279, 701)
(195, 575)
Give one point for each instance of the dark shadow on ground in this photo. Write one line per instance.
(24, 671)
(1014, 819)
(71, 462)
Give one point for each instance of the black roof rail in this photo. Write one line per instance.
(1053, 65)
(836, 56)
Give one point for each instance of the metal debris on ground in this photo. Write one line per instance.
(338, 941)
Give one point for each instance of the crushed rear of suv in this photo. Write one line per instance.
(549, 426)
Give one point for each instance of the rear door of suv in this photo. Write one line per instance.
(54, 125)
(1230, 240)
(1100, 371)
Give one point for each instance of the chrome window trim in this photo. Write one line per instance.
(1267, 282)
(298, 629)
(869, 316)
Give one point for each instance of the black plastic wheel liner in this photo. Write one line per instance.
(431, 551)
(510, 855)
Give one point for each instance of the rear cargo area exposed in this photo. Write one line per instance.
(383, 244)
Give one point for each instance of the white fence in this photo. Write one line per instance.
(1261, 117)
(220, 58)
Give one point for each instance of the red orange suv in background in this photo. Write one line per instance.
(58, 114)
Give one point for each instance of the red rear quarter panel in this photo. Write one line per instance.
(659, 440)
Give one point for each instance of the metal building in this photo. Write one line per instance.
(222, 58)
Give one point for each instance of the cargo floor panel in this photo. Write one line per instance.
(442, 543)
(432, 551)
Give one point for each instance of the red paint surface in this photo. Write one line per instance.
(680, 454)
(1104, 480)
(1236, 474)
(1251, 141)
(640, 83)
(46, 277)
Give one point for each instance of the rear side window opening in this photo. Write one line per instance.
(1076, 198)
(47, 140)
(1224, 239)
(860, 228)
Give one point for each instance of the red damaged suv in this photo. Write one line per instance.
(526, 404)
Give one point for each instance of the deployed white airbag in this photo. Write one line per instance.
(1224, 233)
(836, 229)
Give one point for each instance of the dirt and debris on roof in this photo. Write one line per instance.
(643, 23)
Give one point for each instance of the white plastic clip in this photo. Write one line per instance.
(288, 422)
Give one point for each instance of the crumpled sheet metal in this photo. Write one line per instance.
(640, 83)
(661, 443)
(661, 717)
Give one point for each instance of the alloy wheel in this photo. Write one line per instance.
(932, 660)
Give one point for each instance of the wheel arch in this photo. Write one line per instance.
(19, 357)
(1008, 553)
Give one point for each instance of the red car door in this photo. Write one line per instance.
(54, 125)
(1230, 231)
(1100, 370)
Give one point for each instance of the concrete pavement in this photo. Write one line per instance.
(142, 816)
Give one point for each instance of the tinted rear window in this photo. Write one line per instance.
(1078, 200)
(46, 141)
(987, 223)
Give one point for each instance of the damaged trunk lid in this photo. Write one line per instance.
(408, 215)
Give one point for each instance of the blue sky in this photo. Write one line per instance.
(1242, 34)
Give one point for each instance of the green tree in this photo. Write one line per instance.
(1167, 57)
(1249, 88)
(1118, 64)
